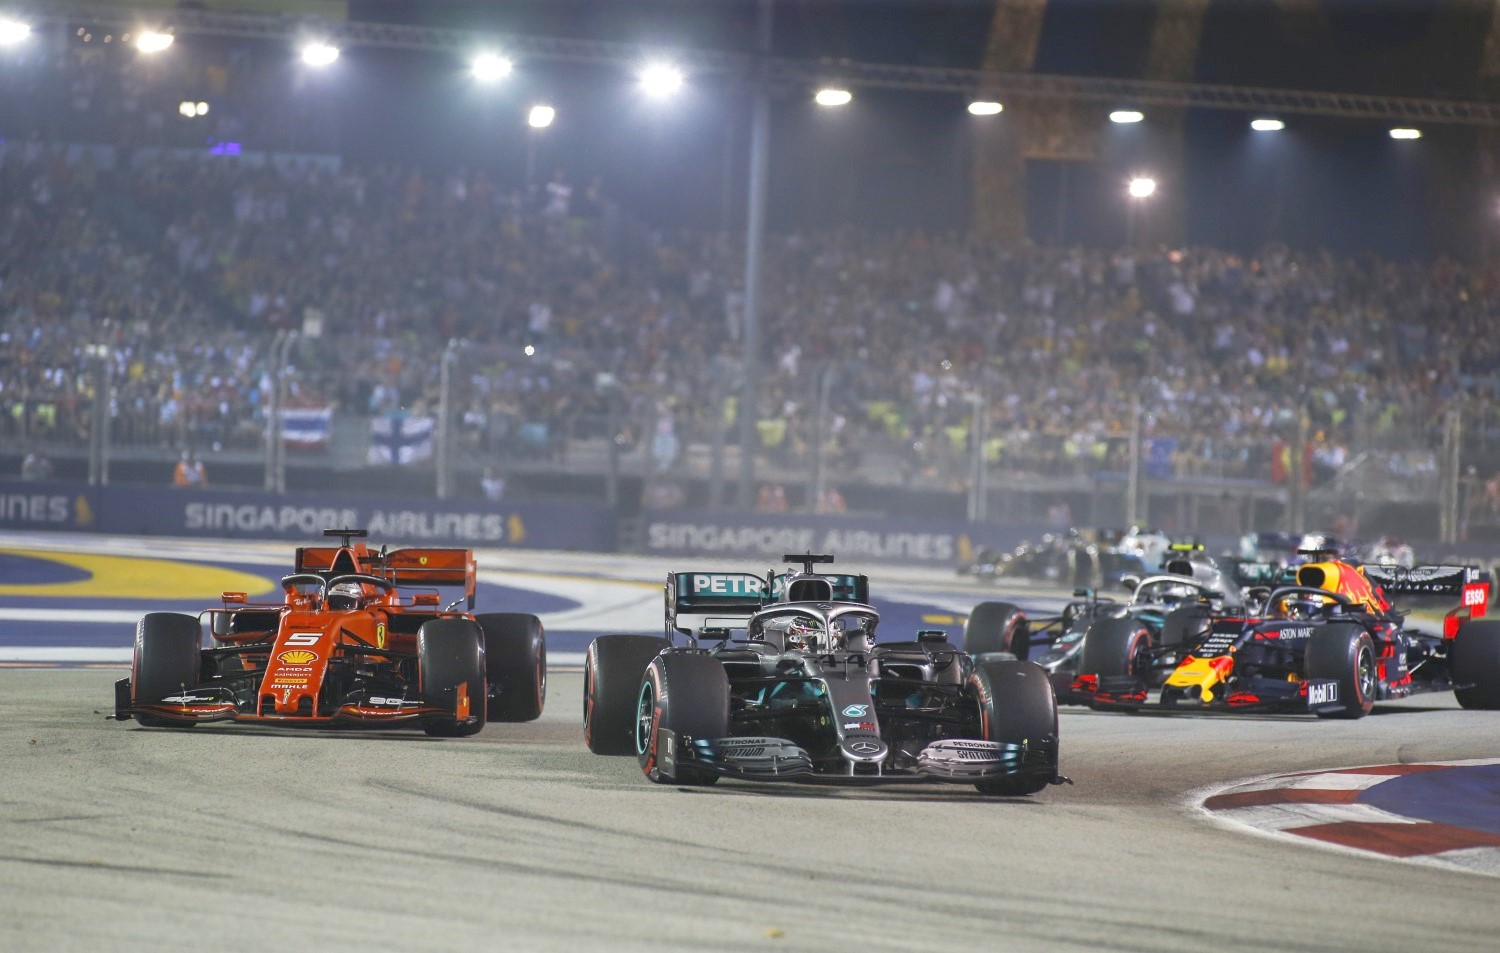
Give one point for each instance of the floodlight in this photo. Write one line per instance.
(149, 41)
(541, 117)
(319, 54)
(13, 32)
(1142, 187)
(1126, 115)
(487, 67)
(1267, 125)
(187, 109)
(985, 107)
(1406, 133)
(202, 109)
(660, 79)
(833, 97)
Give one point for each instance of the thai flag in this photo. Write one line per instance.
(398, 439)
(306, 428)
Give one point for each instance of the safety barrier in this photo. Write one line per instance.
(151, 511)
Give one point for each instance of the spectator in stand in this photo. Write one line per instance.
(189, 472)
(36, 466)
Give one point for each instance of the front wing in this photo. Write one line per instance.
(197, 706)
(1131, 693)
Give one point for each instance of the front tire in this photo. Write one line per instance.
(1017, 706)
(997, 627)
(515, 662)
(1344, 653)
(167, 661)
(450, 674)
(1474, 661)
(684, 696)
(613, 669)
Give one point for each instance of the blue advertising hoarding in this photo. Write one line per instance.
(151, 511)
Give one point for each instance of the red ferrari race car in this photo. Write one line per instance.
(359, 638)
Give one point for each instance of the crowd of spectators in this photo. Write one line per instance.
(572, 322)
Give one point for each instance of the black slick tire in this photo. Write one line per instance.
(515, 661)
(450, 674)
(612, 671)
(167, 660)
(1184, 624)
(1474, 663)
(1016, 706)
(997, 627)
(1344, 653)
(684, 696)
(1112, 647)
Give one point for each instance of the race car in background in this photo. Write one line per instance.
(359, 638)
(781, 678)
(1170, 606)
(1390, 551)
(1328, 643)
(1073, 558)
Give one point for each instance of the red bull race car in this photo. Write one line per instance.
(359, 638)
(1330, 644)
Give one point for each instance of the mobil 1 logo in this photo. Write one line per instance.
(1322, 692)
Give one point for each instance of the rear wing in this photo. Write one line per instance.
(404, 567)
(847, 587)
(713, 593)
(1262, 574)
(1469, 583)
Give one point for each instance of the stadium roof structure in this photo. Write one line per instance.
(794, 73)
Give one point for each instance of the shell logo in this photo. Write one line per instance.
(297, 657)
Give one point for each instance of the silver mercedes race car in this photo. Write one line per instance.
(783, 679)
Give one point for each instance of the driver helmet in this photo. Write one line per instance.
(805, 635)
(1173, 596)
(346, 596)
(1318, 547)
(1301, 607)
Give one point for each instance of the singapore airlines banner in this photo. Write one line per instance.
(152, 511)
(946, 543)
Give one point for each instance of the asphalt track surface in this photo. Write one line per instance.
(114, 837)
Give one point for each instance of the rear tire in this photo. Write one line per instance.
(1016, 705)
(1113, 647)
(685, 695)
(613, 670)
(450, 657)
(1184, 624)
(1344, 653)
(515, 663)
(997, 627)
(167, 661)
(1474, 660)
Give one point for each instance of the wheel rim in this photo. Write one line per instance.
(645, 717)
(1364, 673)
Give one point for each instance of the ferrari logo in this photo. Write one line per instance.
(422, 560)
(380, 635)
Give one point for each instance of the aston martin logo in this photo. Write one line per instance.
(297, 657)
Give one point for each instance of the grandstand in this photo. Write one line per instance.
(526, 317)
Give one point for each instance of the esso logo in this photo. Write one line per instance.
(1476, 595)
